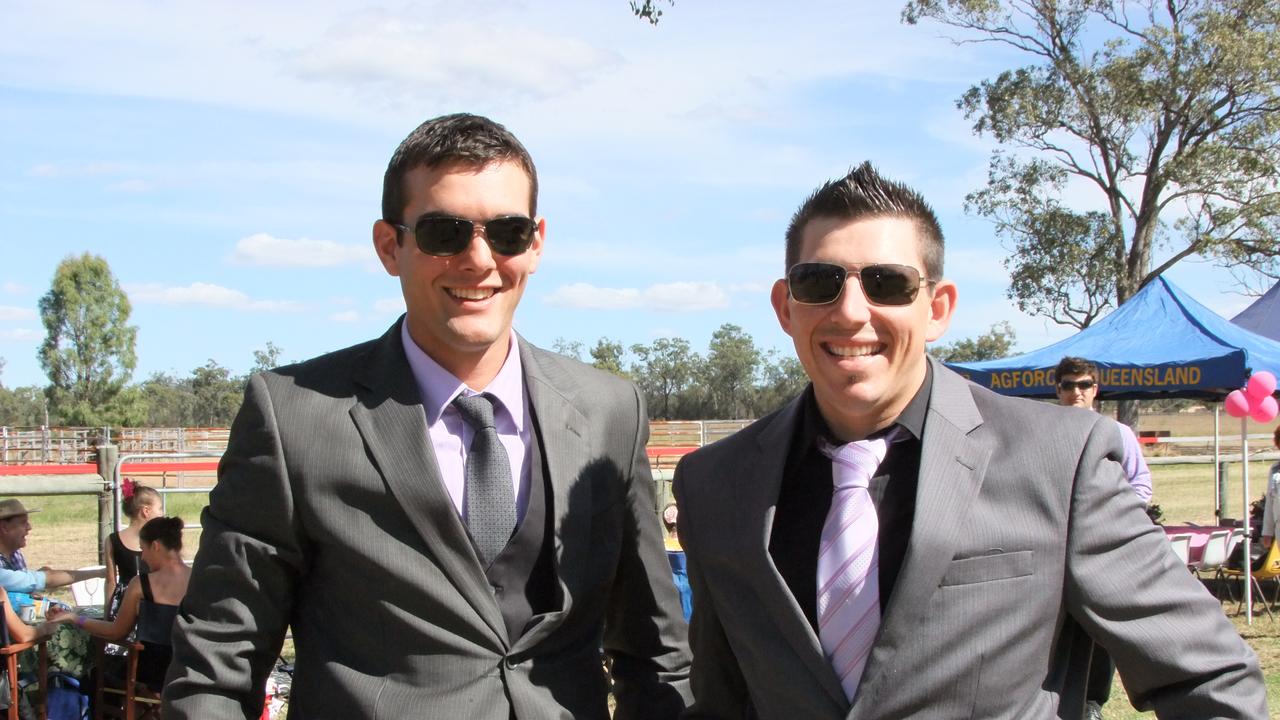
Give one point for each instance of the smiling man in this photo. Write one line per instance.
(455, 523)
(897, 542)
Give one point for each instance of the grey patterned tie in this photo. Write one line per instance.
(489, 495)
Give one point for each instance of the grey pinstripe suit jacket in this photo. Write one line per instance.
(329, 516)
(1024, 533)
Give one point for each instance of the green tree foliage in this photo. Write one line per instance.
(170, 401)
(266, 358)
(998, 342)
(571, 348)
(88, 351)
(217, 395)
(1167, 113)
(648, 10)
(20, 407)
(730, 370)
(783, 380)
(664, 370)
(607, 355)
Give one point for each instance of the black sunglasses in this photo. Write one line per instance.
(1070, 385)
(819, 283)
(444, 236)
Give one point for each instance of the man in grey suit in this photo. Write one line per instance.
(453, 522)
(1001, 530)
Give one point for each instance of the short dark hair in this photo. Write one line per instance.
(865, 194)
(1075, 366)
(1276, 439)
(168, 530)
(462, 138)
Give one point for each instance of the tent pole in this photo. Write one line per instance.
(1217, 466)
(1248, 526)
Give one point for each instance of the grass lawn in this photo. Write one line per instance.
(64, 536)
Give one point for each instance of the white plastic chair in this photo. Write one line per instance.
(89, 591)
(1181, 544)
(1215, 551)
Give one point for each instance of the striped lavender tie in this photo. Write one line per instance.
(849, 561)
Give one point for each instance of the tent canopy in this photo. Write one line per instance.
(1160, 343)
(1263, 316)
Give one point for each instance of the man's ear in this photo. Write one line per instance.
(941, 306)
(386, 242)
(779, 297)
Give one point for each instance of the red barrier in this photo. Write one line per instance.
(129, 467)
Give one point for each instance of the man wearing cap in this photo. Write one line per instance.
(15, 524)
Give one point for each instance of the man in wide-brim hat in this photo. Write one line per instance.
(15, 524)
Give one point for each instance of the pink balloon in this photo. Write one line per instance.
(1265, 410)
(1261, 385)
(1237, 404)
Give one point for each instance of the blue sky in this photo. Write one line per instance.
(226, 159)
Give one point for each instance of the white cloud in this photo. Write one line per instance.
(346, 316)
(205, 294)
(10, 312)
(389, 306)
(688, 296)
(21, 335)
(131, 186)
(13, 288)
(263, 250)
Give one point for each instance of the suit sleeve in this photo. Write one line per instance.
(232, 622)
(645, 634)
(1173, 646)
(719, 689)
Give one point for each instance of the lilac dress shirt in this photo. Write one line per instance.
(1135, 467)
(450, 435)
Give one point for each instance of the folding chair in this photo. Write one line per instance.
(1270, 570)
(132, 694)
(10, 653)
(1215, 551)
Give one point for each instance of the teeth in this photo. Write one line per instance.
(858, 351)
(471, 293)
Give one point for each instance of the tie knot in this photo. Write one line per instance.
(857, 462)
(477, 410)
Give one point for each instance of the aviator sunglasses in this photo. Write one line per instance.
(1070, 385)
(444, 236)
(820, 283)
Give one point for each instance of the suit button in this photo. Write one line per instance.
(497, 589)
(512, 663)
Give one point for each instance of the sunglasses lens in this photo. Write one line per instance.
(890, 284)
(443, 236)
(1070, 385)
(815, 283)
(510, 235)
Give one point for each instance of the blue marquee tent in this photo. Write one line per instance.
(1263, 316)
(1159, 343)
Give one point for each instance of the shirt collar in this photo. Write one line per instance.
(438, 387)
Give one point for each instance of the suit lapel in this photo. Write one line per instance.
(757, 500)
(952, 465)
(565, 448)
(390, 418)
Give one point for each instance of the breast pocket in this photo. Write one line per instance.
(989, 568)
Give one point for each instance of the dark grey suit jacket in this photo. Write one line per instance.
(1025, 533)
(329, 516)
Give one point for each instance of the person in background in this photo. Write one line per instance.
(1271, 506)
(123, 549)
(1077, 386)
(670, 521)
(150, 601)
(17, 631)
(15, 525)
(1076, 381)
